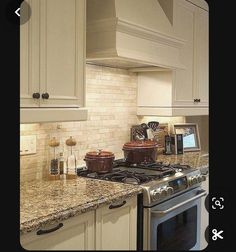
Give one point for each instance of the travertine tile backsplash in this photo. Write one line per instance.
(111, 102)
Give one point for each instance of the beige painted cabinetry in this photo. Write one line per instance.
(116, 228)
(184, 91)
(110, 227)
(52, 61)
(191, 84)
(77, 233)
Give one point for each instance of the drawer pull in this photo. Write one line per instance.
(117, 206)
(46, 231)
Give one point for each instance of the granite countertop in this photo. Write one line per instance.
(46, 202)
(199, 160)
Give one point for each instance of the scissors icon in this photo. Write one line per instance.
(216, 234)
(218, 203)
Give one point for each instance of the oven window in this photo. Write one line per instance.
(179, 232)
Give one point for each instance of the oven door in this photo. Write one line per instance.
(175, 224)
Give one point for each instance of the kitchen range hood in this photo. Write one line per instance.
(132, 34)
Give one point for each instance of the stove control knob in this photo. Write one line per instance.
(203, 177)
(194, 180)
(155, 195)
(169, 190)
(190, 181)
(199, 178)
(163, 193)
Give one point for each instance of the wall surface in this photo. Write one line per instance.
(111, 102)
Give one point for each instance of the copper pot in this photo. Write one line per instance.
(99, 161)
(136, 152)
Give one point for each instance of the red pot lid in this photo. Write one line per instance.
(99, 154)
(140, 144)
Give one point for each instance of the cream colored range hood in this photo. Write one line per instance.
(132, 34)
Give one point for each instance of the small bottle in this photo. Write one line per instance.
(61, 165)
(71, 164)
(53, 159)
(71, 159)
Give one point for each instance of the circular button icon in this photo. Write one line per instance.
(16, 13)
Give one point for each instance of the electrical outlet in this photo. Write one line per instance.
(27, 145)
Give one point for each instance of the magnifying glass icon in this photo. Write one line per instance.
(217, 203)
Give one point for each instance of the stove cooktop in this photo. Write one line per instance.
(135, 173)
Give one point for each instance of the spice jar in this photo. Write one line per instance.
(61, 165)
(53, 160)
(71, 159)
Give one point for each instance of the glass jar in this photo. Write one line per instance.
(53, 161)
(61, 165)
(71, 160)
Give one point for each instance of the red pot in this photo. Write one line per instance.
(137, 152)
(100, 162)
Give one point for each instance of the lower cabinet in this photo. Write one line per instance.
(111, 227)
(116, 226)
(77, 233)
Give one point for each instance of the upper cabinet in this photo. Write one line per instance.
(52, 61)
(180, 92)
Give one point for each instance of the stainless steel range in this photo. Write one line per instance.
(169, 213)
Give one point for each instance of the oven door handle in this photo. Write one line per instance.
(200, 194)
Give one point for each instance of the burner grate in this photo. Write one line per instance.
(135, 173)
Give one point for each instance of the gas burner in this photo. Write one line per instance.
(136, 173)
(130, 177)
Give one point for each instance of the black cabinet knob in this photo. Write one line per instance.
(197, 100)
(45, 95)
(36, 95)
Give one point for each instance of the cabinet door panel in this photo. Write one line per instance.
(116, 228)
(61, 38)
(76, 234)
(202, 57)
(183, 83)
(29, 55)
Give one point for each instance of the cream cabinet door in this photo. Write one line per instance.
(202, 57)
(77, 233)
(29, 54)
(116, 228)
(183, 84)
(62, 48)
(52, 54)
(191, 83)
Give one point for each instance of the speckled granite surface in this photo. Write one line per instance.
(194, 159)
(46, 202)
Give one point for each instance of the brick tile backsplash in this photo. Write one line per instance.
(111, 103)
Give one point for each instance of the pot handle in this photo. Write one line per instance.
(117, 206)
(99, 151)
